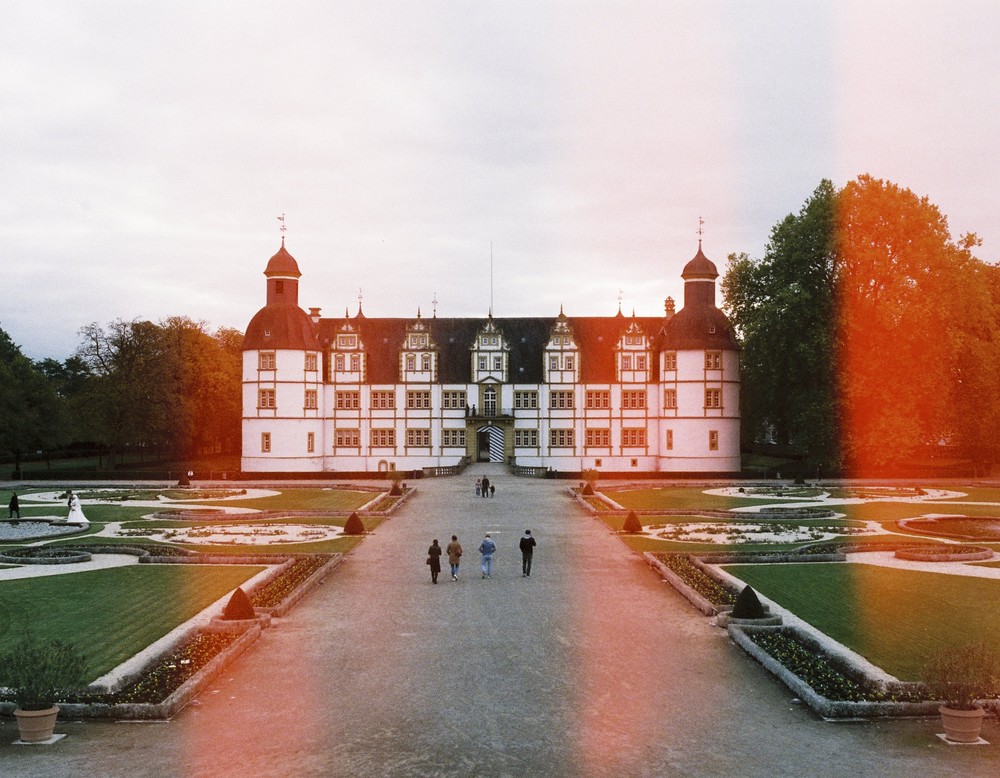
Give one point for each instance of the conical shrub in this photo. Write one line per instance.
(239, 607)
(748, 605)
(632, 523)
(354, 525)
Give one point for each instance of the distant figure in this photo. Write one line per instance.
(527, 546)
(479, 486)
(13, 506)
(76, 511)
(434, 560)
(487, 548)
(492, 490)
(454, 551)
(485, 485)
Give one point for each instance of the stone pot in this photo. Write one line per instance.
(36, 726)
(962, 726)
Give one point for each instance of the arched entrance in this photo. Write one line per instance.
(489, 444)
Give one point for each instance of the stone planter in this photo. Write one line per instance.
(962, 726)
(36, 726)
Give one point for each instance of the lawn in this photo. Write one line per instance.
(893, 618)
(112, 614)
(679, 498)
(316, 499)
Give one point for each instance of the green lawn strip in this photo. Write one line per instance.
(894, 618)
(91, 609)
(300, 500)
(679, 498)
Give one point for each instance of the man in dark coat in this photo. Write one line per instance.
(527, 546)
(486, 486)
(13, 506)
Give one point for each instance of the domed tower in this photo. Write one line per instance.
(699, 374)
(282, 378)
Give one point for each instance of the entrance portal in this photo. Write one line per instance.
(489, 444)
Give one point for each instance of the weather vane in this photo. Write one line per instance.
(701, 231)
(621, 295)
(282, 229)
(434, 302)
(360, 298)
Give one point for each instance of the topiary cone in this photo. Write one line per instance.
(632, 523)
(239, 607)
(353, 525)
(748, 605)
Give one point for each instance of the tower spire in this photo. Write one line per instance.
(701, 231)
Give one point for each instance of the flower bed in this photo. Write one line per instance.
(944, 553)
(688, 578)
(271, 594)
(826, 683)
(984, 529)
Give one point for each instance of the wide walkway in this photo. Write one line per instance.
(591, 667)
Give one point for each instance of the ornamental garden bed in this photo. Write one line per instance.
(943, 553)
(183, 669)
(980, 528)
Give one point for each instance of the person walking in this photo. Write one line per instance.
(13, 506)
(527, 546)
(487, 548)
(492, 490)
(485, 486)
(454, 552)
(479, 486)
(434, 560)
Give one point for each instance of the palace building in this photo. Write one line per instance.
(620, 394)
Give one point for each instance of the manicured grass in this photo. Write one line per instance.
(678, 498)
(112, 614)
(303, 500)
(894, 618)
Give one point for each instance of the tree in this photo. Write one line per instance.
(32, 415)
(783, 310)
(907, 294)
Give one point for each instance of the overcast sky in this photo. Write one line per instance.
(147, 148)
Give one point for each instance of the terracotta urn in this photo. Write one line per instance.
(962, 726)
(35, 726)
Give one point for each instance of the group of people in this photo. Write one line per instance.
(486, 550)
(484, 488)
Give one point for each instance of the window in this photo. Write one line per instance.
(311, 362)
(383, 400)
(713, 440)
(633, 398)
(482, 363)
(347, 341)
(265, 398)
(310, 442)
(525, 400)
(526, 438)
(347, 438)
(640, 362)
(597, 438)
(265, 442)
(713, 398)
(347, 401)
(419, 438)
(279, 286)
(597, 398)
(355, 363)
(669, 398)
(411, 362)
(418, 400)
(553, 363)
(310, 400)
(498, 363)
(626, 362)
(633, 436)
(265, 360)
(561, 398)
(670, 440)
(568, 361)
(713, 360)
(453, 438)
(453, 400)
(338, 363)
(425, 362)
(561, 438)
(383, 438)
(670, 360)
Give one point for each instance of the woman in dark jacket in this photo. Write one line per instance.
(434, 560)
